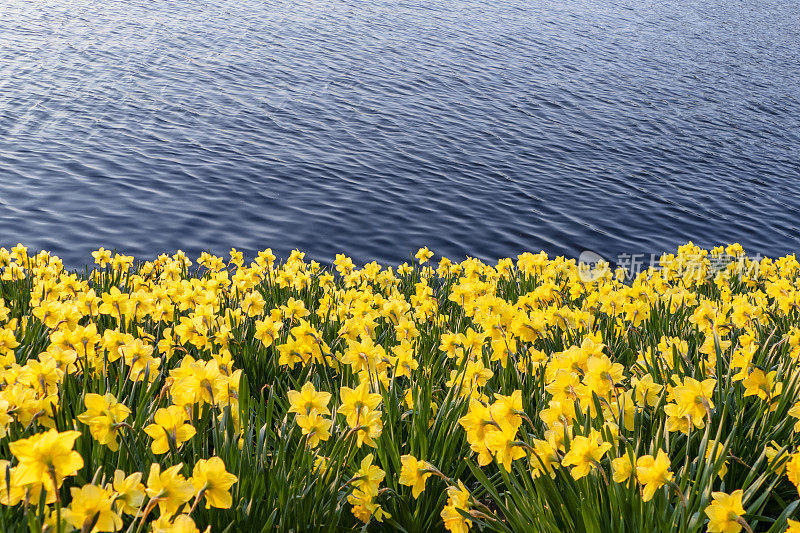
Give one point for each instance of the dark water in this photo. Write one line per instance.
(480, 127)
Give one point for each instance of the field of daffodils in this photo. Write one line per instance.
(534, 394)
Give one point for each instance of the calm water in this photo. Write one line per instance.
(480, 127)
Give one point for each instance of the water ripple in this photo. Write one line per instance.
(478, 128)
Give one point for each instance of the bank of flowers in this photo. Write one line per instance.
(183, 395)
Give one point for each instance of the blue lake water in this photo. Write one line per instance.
(476, 127)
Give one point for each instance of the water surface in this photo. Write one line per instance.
(477, 127)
